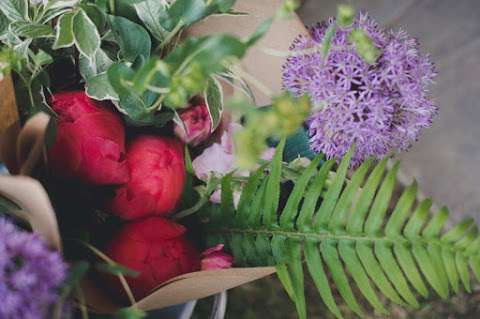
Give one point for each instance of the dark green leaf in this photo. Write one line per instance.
(133, 39)
(6, 205)
(116, 270)
(75, 275)
(130, 313)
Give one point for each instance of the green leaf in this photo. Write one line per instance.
(64, 31)
(330, 255)
(382, 200)
(41, 58)
(15, 10)
(260, 32)
(348, 254)
(99, 88)
(133, 39)
(6, 205)
(130, 313)
(116, 269)
(316, 269)
(31, 30)
(214, 99)
(151, 12)
(329, 201)
(4, 23)
(95, 14)
(75, 275)
(188, 12)
(207, 52)
(375, 272)
(85, 34)
(92, 67)
(273, 187)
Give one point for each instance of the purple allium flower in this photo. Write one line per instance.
(30, 274)
(382, 107)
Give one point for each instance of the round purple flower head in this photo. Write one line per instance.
(380, 107)
(30, 274)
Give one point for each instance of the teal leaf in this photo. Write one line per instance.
(85, 34)
(297, 145)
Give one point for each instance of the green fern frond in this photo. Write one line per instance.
(350, 233)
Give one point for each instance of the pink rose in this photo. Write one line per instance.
(219, 160)
(197, 124)
(215, 258)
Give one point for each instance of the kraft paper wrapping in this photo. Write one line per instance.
(22, 149)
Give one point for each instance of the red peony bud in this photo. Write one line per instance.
(197, 123)
(90, 142)
(154, 247)
(215, 258)
(157, 177)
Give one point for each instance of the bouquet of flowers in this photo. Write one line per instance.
(156, 178)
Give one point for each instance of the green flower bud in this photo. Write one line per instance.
(249, 145)
(364, 46)
(287, 8)
(177, 97)
(345, 15)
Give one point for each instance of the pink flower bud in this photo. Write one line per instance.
(197, 124)
(215, 258)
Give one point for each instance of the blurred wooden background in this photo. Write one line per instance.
(446, 159)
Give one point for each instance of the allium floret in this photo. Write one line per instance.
(380, 107)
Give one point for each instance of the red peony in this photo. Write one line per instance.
(90, 142)
(157, 177)
(154, 247)
(197, 124)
